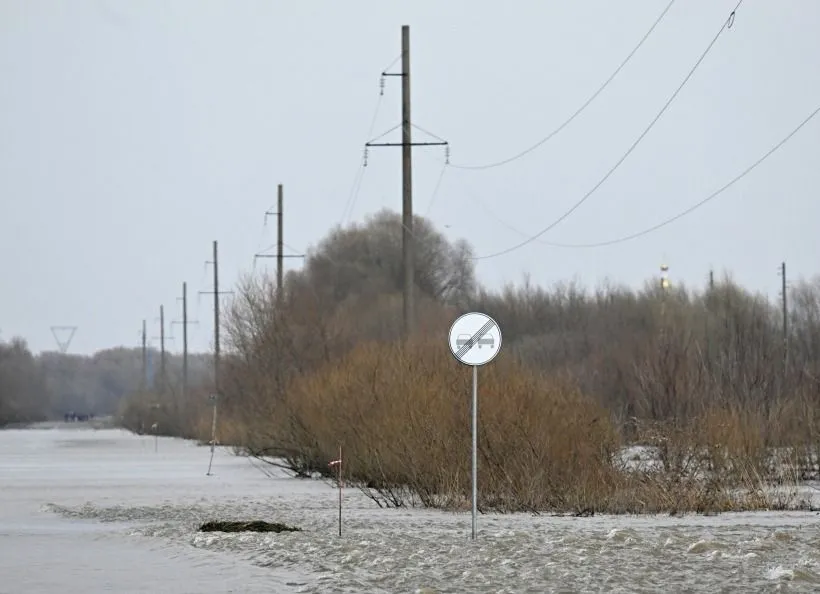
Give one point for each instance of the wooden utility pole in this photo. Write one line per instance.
(711, 280)
(407, 144)
(280, 270)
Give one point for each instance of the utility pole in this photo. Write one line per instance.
(407, 185)
(784, 296)
(144, 382)
(216, 323)
(407, 144)
(216, 394)
(184, 323)
(280, 243)
(163, 378)
(711, 280)
(184, 339)
(664, 292)
(162, 375)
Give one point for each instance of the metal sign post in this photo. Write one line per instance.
(475, 340)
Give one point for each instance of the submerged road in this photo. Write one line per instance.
(86, 511)
(71, 464)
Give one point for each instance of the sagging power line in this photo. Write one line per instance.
(726, 25)
(578, 111)
(681, 214)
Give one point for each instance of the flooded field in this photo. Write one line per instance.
(86, 510)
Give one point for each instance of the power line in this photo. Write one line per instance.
(687, 211)
(357, 180)
(436, 189)
(577, 112)
(727, 24)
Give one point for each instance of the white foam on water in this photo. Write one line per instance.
(83, 511)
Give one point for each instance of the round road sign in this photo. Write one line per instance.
(475, 339)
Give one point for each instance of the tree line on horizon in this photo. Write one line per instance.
(49, 385)
(705, 376)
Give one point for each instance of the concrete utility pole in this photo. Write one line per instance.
(784, 295)
(144, 357)
(407, 144)
(407, 186)
(280, 243)
(664, 293)
(163, 378)
(184, 322)
(162, 375)
(216, 323)
(184, 339)
(216, 395)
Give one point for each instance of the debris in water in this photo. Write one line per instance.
(255, 526)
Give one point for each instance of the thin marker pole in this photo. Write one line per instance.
(475, 447)
(340, 489)
(213, 437)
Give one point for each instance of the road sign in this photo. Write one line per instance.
(475, 339)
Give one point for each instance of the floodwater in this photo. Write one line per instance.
(85, 511)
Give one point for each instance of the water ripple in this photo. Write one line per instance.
(401, 551)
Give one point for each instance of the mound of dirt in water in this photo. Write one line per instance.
(254, 526)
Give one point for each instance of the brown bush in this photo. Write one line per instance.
(402, 413)
(707, 378)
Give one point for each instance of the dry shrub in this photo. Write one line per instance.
(176, 415)
(720, 460)
(797, 437)
(734, 441)
(402, 413)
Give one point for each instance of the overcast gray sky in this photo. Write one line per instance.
(132, 134)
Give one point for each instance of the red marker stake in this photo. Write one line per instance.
(339, 478)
